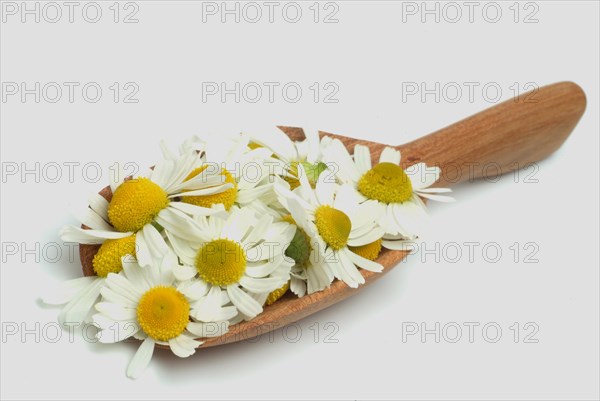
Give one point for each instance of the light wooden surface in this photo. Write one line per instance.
(502, 138)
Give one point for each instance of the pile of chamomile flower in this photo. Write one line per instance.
(222, 228)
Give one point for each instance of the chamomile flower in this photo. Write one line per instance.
(79, 295)
(307, 274)
(241, 255)
(242, 166)
(148, 304)
(140, 205)
(288, 155)
(396, 192)
(332, 217)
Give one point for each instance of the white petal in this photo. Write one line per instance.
(211, 329)
(99, 204)
(368, 212)
(346, 200)
(370, 236)
(150, 246)
(313, 151)
(364, 263)
(162, 173)
(244, 302)
(422, 176)
(238, 224)
(208, 307)
(260, 284)
(305, 187)
(225, 313)
(92, 220)
(340, 273)
(120, 284)
(344, 269)
(264, 269)
(324, 190)
(298, 286)
(249, 195)
(115, 311)
(211, 177)
(434, 190)
(77, 310)
(183, 166)
(133, 272)
(76, 234)
(158, 247)
(266, 251)
(362, 158)
(102, 322)
(343, 165)
(400, 245)
(212, 226)
(259, 230)
(273, 138)
(193, 289)
(67, 290)
(194, 210)
(183, 346)
(141, 359)
(114, 331)
(203, 191)
(416, 199)
(110, 295)
(408, 216)
(180, 224)
(165, 271)
(279, 232)
(298, 211)
(438, 198)
(390, 155)
(142, 250)
(184, 272)
(317, 278)
(182, 248)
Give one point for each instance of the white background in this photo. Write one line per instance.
(368, 54)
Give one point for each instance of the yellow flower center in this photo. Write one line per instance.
(312, 173)
(386, 182)
(108, 258)
(333, 225)
(163, 313)
(278, 293)
(221, 262)
(135, 203)
(227, 197)
(368, 251)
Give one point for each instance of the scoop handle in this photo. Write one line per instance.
(512, 135)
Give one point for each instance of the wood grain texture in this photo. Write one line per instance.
(502, 138)
(509, 135)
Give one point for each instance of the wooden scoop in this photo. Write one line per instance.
(508, 136)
